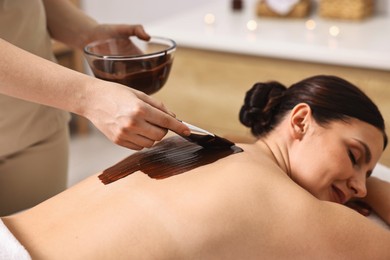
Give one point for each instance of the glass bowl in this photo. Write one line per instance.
(142, 65)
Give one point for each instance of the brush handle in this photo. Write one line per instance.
(197, 130)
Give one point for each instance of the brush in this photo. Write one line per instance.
(206, 139)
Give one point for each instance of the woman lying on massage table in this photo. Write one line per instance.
(281, 198)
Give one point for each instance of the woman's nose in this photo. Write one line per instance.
(357, 184)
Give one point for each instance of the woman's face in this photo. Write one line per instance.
(333, 162)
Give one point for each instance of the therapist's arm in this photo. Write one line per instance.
(70, 25)
(128, 117)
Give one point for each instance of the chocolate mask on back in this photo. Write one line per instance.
(171, 156)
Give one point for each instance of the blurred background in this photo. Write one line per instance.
(148, 11)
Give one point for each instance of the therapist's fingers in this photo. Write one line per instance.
(130, 145)
(129, 30)
(135, 120)
(135, 142)
(146, 134)
(125, 30)
(152, 102)
(104, 31)
(140, 32)
(158, 115)
(139, 131)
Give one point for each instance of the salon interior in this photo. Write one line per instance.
(223, 47)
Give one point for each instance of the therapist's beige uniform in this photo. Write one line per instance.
(33, 138)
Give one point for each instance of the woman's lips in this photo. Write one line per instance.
(339, 195)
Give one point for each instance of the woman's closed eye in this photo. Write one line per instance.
(356, 156)
(352, 157)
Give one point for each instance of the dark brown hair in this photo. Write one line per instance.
(329, 97)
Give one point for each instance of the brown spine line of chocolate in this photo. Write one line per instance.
(171, 156)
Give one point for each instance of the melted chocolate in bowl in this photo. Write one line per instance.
(148, 80)
(144, 66)
(172, 156)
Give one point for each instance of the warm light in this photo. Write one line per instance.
(334, 31)
(310, 24)
(251, 25)
(209, 19)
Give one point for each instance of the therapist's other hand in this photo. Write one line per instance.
(129, 117)
(105, 31)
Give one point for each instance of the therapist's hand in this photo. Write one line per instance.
(128, 117)
(104, 31)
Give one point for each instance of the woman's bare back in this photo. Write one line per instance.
(241, 206)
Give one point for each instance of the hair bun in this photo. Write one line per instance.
(260, 105)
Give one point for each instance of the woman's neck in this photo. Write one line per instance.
(278, 152)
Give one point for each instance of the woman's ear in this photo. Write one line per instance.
(300, 119)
